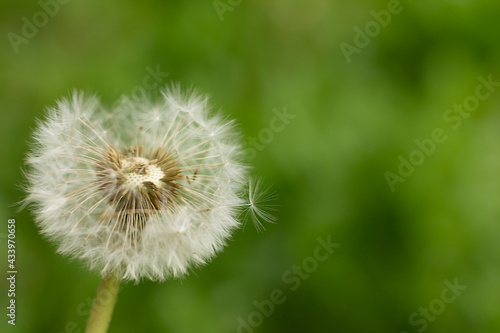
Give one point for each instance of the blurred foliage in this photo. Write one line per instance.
(353, 121)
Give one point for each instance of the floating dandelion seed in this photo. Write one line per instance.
(145, 191)
(259, 206)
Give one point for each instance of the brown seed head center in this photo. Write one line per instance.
(138, 184)
(140, 170)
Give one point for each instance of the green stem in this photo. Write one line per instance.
(103, 306)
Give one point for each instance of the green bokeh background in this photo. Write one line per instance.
(353, 121)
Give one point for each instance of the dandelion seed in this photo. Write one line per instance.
(260, 203)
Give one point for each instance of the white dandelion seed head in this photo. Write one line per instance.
(146, 190)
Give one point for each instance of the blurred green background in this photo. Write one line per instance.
(352, 122)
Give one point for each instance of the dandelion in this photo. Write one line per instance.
(145, 191)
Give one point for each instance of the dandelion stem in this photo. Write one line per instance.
(103, 306)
